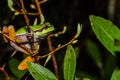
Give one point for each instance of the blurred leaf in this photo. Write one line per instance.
(109, 65)
(94, 52)
(86, 79)
(13, 66)
(10, 5)
(83, 74)
(106, 32)
(69, 63)
(76, 78)
(116, 74)
(39, 72)
(79, 29)
(76, 49)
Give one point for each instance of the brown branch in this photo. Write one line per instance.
(28, 13)
(24, 13)
(39, 11)
(59, 47)
(30, 33)
(53, 57)
(43, 1)
(4, 72)
(38, 7)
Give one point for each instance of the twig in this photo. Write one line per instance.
(59, 47)
(24, 13)
(21, 45)
(41, 17)
(43, 1)
(38, 7)
(53, 57)
(72, 41)
(30, 33)
(4, 72)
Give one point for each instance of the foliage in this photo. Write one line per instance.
(108, 34)
(72, 67)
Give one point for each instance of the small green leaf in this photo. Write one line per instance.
(69, 63)
(76, 78)
(42, 19)
(10, 5)
(39, 72)
(116, 74)
(86, 79)
(106, 33)
(79, 29)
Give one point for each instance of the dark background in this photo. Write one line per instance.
(69, 13)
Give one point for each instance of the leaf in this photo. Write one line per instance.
(76, 49)
(94, 52)
(106, 33)
(76, 78)
(116, 74)
(10, 4)
(83, 74)
(39, 72)
(69, 63)
(86, 79)
(79, 29)
(109, 65)
(13, 66)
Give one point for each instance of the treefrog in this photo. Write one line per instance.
(21, 42)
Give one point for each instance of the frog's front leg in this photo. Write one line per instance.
(9, 36)
(23, 44)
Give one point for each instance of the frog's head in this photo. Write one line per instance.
(43, 30)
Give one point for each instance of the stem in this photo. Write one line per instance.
(30, 33)
(38, 8)
(59, 47)
(5, 73)
(25, 15)
(53, 57)
(21, 45)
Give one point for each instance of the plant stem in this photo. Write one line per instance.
(53, 57)
(5, 73)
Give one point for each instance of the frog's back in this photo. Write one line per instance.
(21, 31)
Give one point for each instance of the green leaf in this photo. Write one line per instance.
(76, 78)
(39, 72)
(10, 5)
(13, 66)
(79, 29)
(77, 49)
(106, 33)
(86, 79)
(116, 74)
(94, 52)
(109, 65)
(83, 74)
(69, 63)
